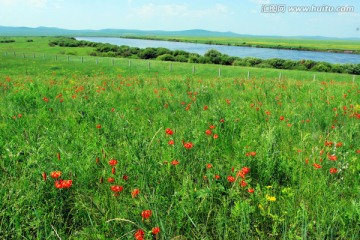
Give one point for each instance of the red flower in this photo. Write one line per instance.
(188, 145)
(358, 151)
(217, 176)
(116, 188)
(56, 174)
(209, 165)
(328, 144)
(113, 170)
(208, 132)
(45, 99)
(139, 234)
(58, 156)
(333, 170)
(63, 183)
(231, 179)
(175, 162)
(171, 142)
(113, 162)
(339, 144)
(245, 170)
(332, 157)
(125, 177)
(281, 118)
(317, 165)
(98, 126)
(155, 230)
(135, 192)
(111, 180)
(206, 107)
(215, 136)
(212, 127)
(44, 176)
(251, 154)
(243, 183)
(146, 214)
(169, 131)
(251, 190)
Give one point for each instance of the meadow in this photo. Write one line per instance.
(92, 148)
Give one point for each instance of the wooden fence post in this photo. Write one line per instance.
(193, 69)
(219, 72)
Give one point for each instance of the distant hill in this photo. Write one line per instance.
(49, 31)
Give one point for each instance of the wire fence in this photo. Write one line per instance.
(189, 68)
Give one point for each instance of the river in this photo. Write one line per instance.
(263, 53)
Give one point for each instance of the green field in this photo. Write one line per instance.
(250, 154)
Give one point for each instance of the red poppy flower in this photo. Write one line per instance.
(56, 174)
(58, 156)
(328, 144)
(116, 188)
(135, 192)
(169, 131)
(251, 190)
(44, 176)
(139, 234)
(281, 118)
(155, 230)
(113, 170)
(111, 180)
(333, 170)
(175, 162)
(251, 154)
(215, 136)
(245, 170)
(208, 132)
(125, 177)
(171, 142)
(206, 107)
(146, 214)
(217, 176)
(113, 162)
(317, 165)
(45, 99)
(243, 183)
(332, 157)
(209, 165)
(188, 145)
(212, 127)
(231, 179)
(63, 184)
(339, 144)
(358, 151)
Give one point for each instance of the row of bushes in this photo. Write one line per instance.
(210, 57)
(7, 41)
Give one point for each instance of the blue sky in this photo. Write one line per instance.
(240, 16)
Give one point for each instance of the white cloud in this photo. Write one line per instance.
(184, 10)
(260, 2)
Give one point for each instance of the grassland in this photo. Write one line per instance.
(211, 157)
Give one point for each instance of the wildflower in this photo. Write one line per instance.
(139, 234)
(222, 120)
(268, 113)
(243, 183)
(209, 165)
(44, 176)
(56, 174)
(358, 151)
(125, 177)
(98, 126)
(58, 156)
(155, 230)
(317, 166)
(328, 144)
(45, 99)
(332, 157)
(175, 162)
(217, 176)
(251, 190)
(270, 198)
(113, 162)
(251, 154)
(215, 136)
(169, 131)
(212, 127)
(146, 214)
(111, 180)
(63, 184)
(171, 142)
(339, 144)
(333, 170)
(135, 192)
(116, 188)
(113, 170)
(281, 118)
(231, 179)
(188, 145)
(206, 107)
(208, 132)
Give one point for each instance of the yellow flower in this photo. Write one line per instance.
(268, 187)
(270, 198)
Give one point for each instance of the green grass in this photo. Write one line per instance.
(51, 108)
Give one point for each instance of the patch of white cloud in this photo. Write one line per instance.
(182, 10)
(22, 3)
(260, 2)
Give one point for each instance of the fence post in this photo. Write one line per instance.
(219, 72)
(314, 77)
(280, 76)
(193, 69)
(248, 76)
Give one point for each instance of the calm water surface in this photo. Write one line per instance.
(264, 53)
